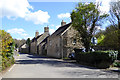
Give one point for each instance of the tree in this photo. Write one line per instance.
(109, 37)
(28, 43)
(16, 46)
(115, 14)
(19, 42)
(84, 19)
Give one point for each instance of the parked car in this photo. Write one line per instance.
(72, 56)
(83, 49)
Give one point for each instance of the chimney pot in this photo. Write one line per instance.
(36, 33)
(46, 29)
(63, 23)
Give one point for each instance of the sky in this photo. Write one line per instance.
(21, 18)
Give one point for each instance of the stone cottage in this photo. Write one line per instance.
(24, 48)
(39, 42)
(62, 42)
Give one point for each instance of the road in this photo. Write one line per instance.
(29, 66)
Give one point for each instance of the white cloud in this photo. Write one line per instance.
(13, 9)
(64, 15)
(104, 5)
(99, 28)
(96, 28)
(39, 17)
(20, 32)
(52, 25)
(52, 31)
(57, 26)
(24, 34)
(16, 30)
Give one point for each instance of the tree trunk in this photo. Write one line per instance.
(87, 47)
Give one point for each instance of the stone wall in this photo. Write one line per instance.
(53, 47)
(33, 48)
(24, 50)
(60, 46)
(69, 39)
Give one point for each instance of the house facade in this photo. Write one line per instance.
(62, 42)
(24, 48)
(39, 42)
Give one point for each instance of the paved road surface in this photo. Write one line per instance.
(29, 66)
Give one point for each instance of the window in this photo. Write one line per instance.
(74, 41)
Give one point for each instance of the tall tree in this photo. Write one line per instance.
(28, 43)
(84, 19)
(115, 14)
(108, 38)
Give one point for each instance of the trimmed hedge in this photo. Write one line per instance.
(97, 59)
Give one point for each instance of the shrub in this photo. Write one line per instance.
(98, 59)
(116, 64)
(6, 49)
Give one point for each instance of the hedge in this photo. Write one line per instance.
(6, 49)
(97, 59)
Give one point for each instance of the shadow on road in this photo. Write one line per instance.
(49, 61)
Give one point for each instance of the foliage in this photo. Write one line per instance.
(116, 64)
(16, 46)
(111, 40)
(97, 59)
(19, 42)
(115, 19)
(100, 39)
(115, 13)
(84, 19)
(109, 37)
(7, 48)
(28, 43)
(112, 54)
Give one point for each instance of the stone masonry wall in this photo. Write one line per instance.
(69, 37)
(53, 47)
(33, 48)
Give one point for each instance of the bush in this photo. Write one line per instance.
(97, 59)
(116, 64)
(6, 49)
(7, 62)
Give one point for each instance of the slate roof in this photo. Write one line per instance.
(40, 38)
(36, 38)
(61, 29)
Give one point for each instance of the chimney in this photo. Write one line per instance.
(36, 33)
(63, 23)
(46, 29)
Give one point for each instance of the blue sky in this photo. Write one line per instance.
(22, 18)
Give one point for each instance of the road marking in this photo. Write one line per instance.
(11, 68)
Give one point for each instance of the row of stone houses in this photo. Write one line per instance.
(60, 44)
